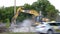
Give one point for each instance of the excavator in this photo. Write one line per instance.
(33, 12)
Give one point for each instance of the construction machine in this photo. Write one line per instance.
(37, 16)
(33, 12)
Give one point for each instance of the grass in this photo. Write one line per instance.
(20, 33)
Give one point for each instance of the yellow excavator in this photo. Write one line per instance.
(33, 12)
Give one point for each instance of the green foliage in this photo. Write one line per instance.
(19, 33)
(47, 9)
(7, 22)
(27, 6)
(6, 12)
(23, 16)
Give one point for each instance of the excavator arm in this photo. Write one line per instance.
(33, 12)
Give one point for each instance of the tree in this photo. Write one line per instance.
(47, 9)
(27, 6)
(8, 12)
(5, 13)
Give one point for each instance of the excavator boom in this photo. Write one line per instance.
(33, 12)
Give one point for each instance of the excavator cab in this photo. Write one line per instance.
(38, 20)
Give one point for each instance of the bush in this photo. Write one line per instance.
(7, 23)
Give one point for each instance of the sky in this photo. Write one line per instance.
(8, 3)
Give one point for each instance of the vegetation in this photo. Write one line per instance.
(20, 33)
(48, 10)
